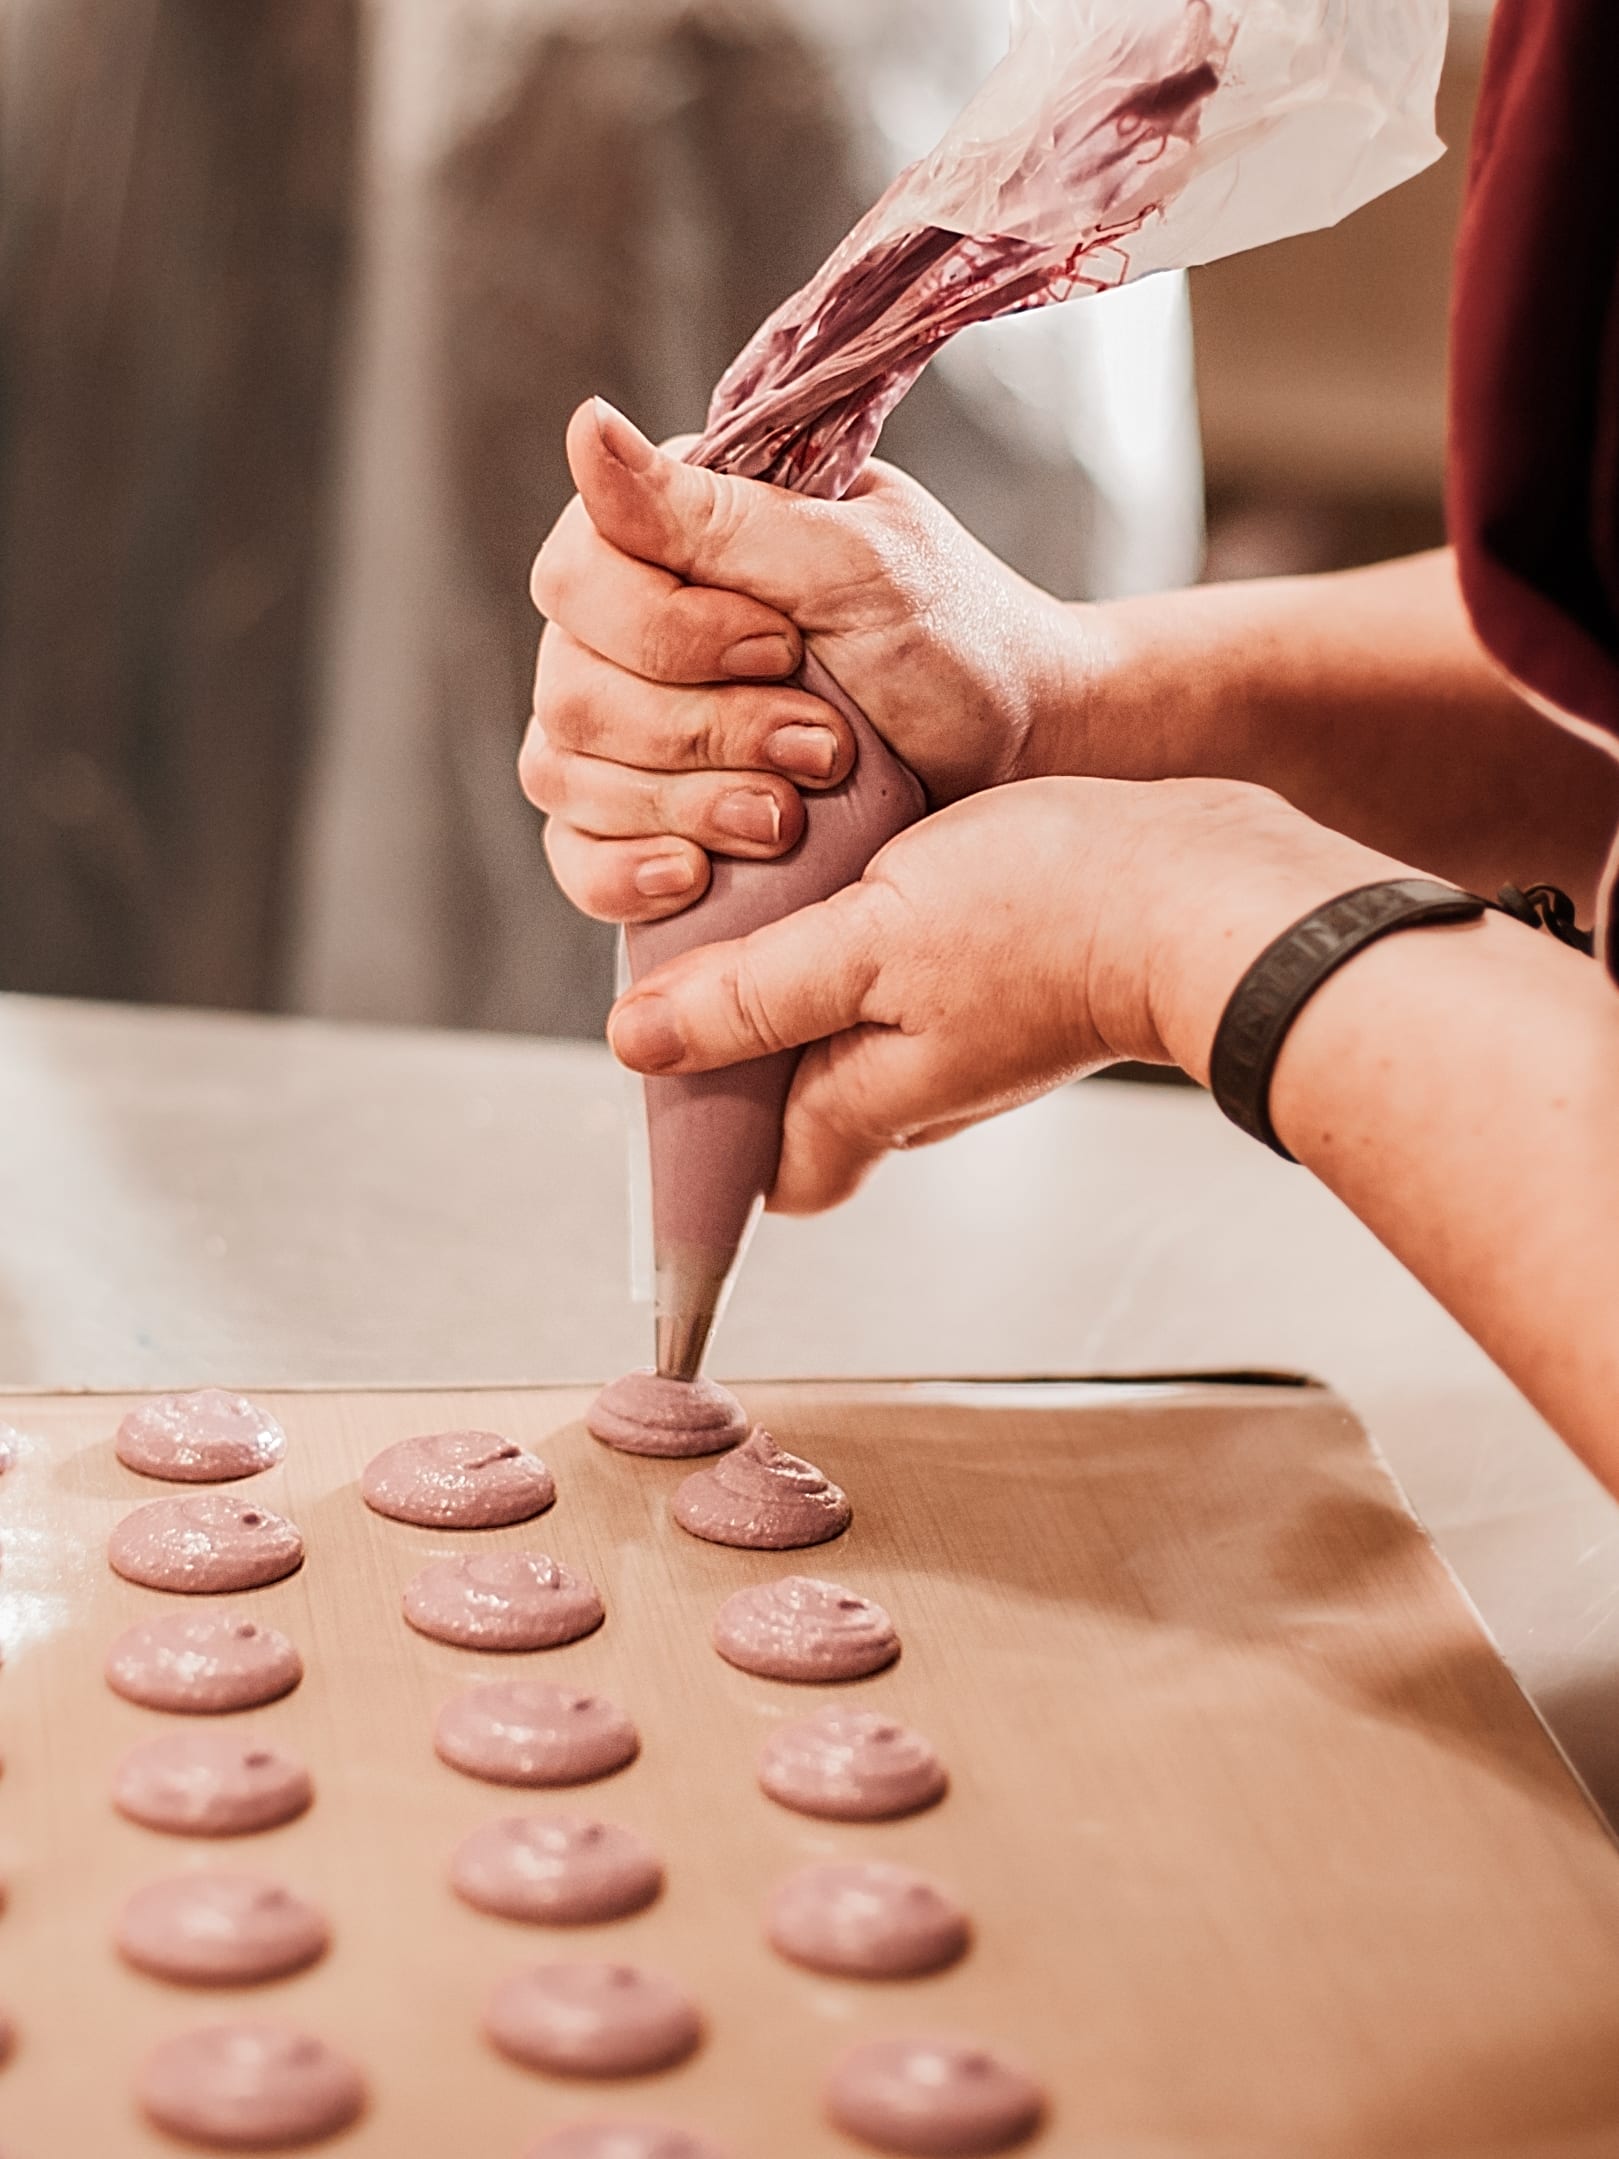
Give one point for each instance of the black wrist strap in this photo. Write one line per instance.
(1273, 992)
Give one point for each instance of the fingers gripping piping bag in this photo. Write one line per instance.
(1117, 137)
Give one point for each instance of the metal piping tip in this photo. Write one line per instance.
(690, 1295)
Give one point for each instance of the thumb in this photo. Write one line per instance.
(794, 981)
(710, 528)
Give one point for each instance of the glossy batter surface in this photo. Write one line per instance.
(457, 1480)
(933, 2097)
(866, 1919)
(762, 1498)
(210, 1784)
(203, 1437)
(202, 1662)
(624, 2140)
(804, 1628)
(502, 1600)
(250, 2087)
(851, 1765)
(525, 1731)
(593, 2020)
(204, 1544)
(556, 1870)
(643, 1413)
(218, 1929)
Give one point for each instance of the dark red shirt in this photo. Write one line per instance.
(1533, 491)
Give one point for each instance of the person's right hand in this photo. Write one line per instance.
(679, 601)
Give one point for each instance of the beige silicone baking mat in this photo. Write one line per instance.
(1266, 1853)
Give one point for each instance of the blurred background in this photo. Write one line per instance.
(295, 300)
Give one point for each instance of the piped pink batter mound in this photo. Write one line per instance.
(556, 1870)
(935, 2098)
(502, 1600)
(202, 1663)
(643, 1413)
(457, 1480)
(762, 1498)
(592, 2020)
(250, 2087)
(220, 1930)
(200, 1438)
(204, 1544)
(210, 1784)
(523, 1731)
(851, 1765)
(866, 1919)
(806, 1629)
(624, 2140)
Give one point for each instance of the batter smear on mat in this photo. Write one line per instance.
(851, 1765)
(593, 2020)
(205, 1544)
(866, 1919)
(457, 1480)
(503, 1600)
(202, 1663)
(938, 2098)
(762, 1498)
(224, 1930)
(804, 1629)
(210, 1784)
(523, 1731)
(643, 1413)
(556, 1870)
(200, 1438)
(250, 2087)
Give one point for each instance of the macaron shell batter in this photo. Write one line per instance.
(866, 1919)
(502, 1600)
(593, 2020)
(457, 1480)
(556, 1870)
(645, 1413)
(851, 1765)
(210, 1784)
(803, 1628)
(933, 2098)
(204, 1544)
(204, 1437)
(524, 1731)
(202, 1663)
(219, 1930)
(624, 2140)
(762, 1499)
(250, 2087)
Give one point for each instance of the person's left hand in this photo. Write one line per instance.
(1028, 934)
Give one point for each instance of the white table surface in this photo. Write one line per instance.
(188, 1198)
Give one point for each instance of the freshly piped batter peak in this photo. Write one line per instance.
(556, 1870)
(938, 2098)
(524, 1731)
(805, 1629)
(762, 1498)
(204, 1544)
(210, 1784)
(624, 2140)
(851, 1765)
(226, 1930)
(593, 2020)
(203, 1437)
(457, 1480)
(202, 1663)
(644, 1413)
(502, 1600)
(866, 1919)
(250, 2087)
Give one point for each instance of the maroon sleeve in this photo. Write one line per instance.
(1533, 492)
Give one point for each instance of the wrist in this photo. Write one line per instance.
(1246, 867)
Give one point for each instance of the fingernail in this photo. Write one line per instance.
(749, 814)
(621, 438)
(644, 1035)
(768, 654)
(807, 752)
(660, 877)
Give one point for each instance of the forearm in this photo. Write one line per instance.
(1362, 697)
(1459, 1090)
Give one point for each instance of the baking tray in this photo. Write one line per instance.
(1266, 1853)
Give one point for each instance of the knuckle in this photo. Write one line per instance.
(539, 771)
(751, 1004)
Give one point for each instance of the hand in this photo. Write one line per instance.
(1024, 936)
(679, 601)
